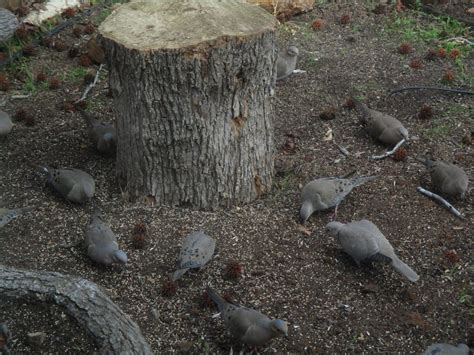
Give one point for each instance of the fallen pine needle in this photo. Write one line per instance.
(390, 152)
(445, 203)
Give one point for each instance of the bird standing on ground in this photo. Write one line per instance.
(101, 242)
(322, 194)
(197, 250)
(448, 179)
(363, 241)
(248, 325)
(102, 135)
(286, 62)
(384, 128)
(73, 184)
(6, 124)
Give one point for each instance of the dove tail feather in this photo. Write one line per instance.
(178, 274)
(362, 180)
(22, 210)
(425, 161)
(218, 300)
(404, 269)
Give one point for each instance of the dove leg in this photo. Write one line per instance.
(333, 216)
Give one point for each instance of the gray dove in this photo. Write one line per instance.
(101, 134)
(248, 325)
(447, 349)
(6, 124)
(196, 251)
(363, 241)
(7, 215)
(322, 194)
(101, 242)
(384, 128)
(286, 62)
(73, 184)
(448, 179)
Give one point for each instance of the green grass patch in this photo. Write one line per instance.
(75, 75)
(446, 32)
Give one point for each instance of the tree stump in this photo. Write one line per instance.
(192, 82)
(284, 9)
(113, 330)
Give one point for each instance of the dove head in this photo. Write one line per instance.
(306, 211)
(403, 132)
(119, 256)
(96, 215)
(107, 143)
(279, 327)
(333, 227)
(292, 51)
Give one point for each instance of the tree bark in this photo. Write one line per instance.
(192, 82)
(113, 330)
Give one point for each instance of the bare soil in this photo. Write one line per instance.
(293, 273)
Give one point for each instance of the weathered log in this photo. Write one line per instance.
(112, 329)
(192, 83)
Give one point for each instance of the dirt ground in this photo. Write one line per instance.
(296, 274)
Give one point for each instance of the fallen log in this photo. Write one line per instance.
(112, 329)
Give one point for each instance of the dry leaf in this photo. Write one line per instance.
(328, 136)
(304, 230)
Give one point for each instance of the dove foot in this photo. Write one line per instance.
(333, 216)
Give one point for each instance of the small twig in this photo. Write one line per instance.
(390, 152)
(442, 201)
(298, 71)
(342, 149)
(91, 85)
(70, 246)
(18, 97)
(459, 39)
(454, 90)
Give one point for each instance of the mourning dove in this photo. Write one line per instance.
(6, 124)
(101, 134)
(363, 241)
(196, 251)
(73, 184)
(248, 325)
(448, 179)
(447, 349)
(322, 194)
(7, 215)
(101, 242)
(286, 62)
(384, 128)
